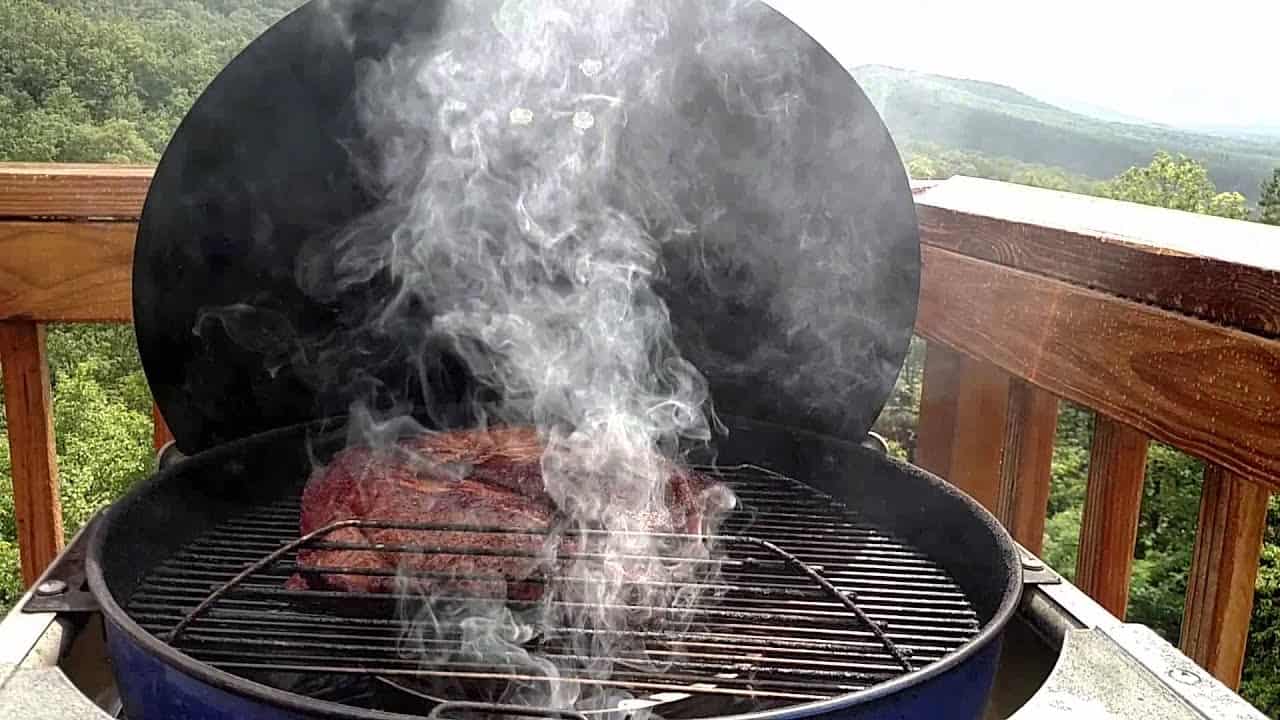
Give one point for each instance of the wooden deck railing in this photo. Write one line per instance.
(66, 251)
(1164, 323)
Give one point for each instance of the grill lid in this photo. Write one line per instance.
(796, 299)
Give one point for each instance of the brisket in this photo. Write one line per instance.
(490, 478)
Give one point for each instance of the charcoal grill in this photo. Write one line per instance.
(852, 585)
(868, 589)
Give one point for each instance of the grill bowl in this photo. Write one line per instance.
(173, 509)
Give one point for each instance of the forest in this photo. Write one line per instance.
(108, 81)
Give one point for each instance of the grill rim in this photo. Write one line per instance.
(982, 642)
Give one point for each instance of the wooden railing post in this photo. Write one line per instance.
(990, 435)
(32, 449)
(1028, 463)
(962, 416)
(1215, 621)
(160, 435)
(936, 428)
(1113, 500)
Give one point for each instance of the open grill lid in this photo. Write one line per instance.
(796, 301)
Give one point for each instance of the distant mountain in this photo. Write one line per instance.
(1263, 133)
(1098, 112)
(1000, 121)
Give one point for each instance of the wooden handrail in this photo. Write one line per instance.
(1165, 323)
(73, 191)
(1223, 271)
(66, 241)
(1201, 387)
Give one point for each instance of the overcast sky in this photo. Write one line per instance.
(1176, 62)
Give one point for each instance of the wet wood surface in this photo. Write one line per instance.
(66, 271)
(1220, 270)
(72, 191)
(1206, 389)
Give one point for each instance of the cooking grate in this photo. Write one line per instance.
(810, 603)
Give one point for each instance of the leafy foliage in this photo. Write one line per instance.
(928, 161)
(1178, 183)
(1263, 665)
(1070, 471)
(1166, 538)
(1269, 200)
(897, 422)
(89, 81)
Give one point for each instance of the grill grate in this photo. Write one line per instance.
(810, 603)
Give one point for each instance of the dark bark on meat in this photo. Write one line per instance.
(487, 478)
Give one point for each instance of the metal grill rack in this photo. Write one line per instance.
(811, 603)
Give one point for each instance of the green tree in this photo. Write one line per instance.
(921, 167)
(1166, 538)
(109, 80)
(1269, 200)
(1178, 183)
(929, 161)
(897, 423)
(1263, 664)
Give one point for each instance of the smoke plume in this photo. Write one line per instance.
(528, 201)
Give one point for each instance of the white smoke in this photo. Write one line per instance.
(534, 253)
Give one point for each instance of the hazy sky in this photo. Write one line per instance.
(1172, 62)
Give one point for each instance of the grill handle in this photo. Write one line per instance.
(438, 712)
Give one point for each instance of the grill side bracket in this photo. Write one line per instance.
(1115, 669)
(1035, 571)
(63, 587)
